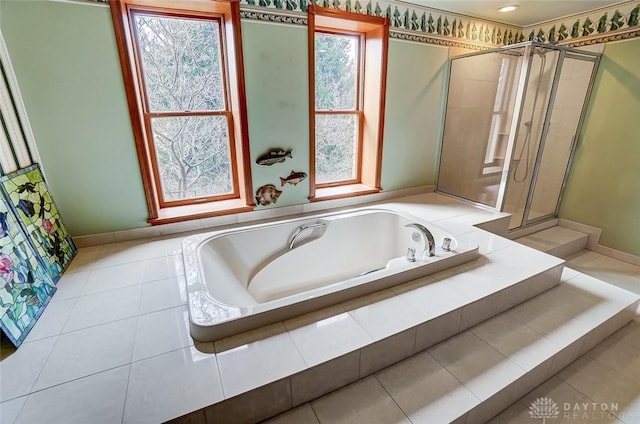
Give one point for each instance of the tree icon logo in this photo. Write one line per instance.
(544, 408)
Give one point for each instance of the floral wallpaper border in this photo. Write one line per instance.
(421, 24)
(618, 22)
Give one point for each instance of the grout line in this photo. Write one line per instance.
(389, 394)
(315, 414)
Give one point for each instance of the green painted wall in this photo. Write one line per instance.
(69, 74)
(413, 115)
(604, 185)
(277, 102)
(66, 61)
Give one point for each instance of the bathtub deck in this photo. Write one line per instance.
(115, 338)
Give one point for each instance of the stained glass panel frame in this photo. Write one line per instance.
(31, 201)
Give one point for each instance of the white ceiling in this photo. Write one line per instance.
(530, 12)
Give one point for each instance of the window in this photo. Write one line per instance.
(186, 106)
(347, 70)
(338, 108)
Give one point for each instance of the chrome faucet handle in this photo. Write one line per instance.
(411, 254)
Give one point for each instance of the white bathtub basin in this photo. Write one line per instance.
(245, 278)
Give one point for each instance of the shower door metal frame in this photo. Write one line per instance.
(564, 54)
(523, 81)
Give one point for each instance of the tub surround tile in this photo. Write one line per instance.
(487, 242)
(88, 351)
(437, 329)
(324, 378)
(383, 353)
(249, 337)
(162, 331)
(103, 307)
(172, 384)
(163, 294)
(426, 391)
(20, 368)
(383, 319)
(479, 310)
(365, 401)
(327, 338)
(430, 297)
(52, 320)
(10, 409)
(256, 363)
(98, 398)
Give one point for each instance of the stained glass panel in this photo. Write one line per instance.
(25, 286)
(32, 202)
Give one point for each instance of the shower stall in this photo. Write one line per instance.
(512, 122)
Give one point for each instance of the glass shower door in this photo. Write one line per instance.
(477, 124)
(564, 120)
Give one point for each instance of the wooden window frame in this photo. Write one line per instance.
(227, 13)
(371, 94)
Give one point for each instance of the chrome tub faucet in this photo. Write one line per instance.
(429, 241)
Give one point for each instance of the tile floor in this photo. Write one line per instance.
(114, 346)
(603, 386)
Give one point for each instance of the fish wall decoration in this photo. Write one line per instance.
(267, 194)
(274, 156)
(294, 178)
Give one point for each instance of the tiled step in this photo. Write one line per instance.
(557, 241)
(473, 376)
(293, 362)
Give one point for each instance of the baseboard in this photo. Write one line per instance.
(617, 254)
(593, 232)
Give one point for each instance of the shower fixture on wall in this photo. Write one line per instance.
(529, 124)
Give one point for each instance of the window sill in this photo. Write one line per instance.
(203, 210)
(341, 192)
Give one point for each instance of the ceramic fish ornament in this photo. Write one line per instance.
(274, 156)
(267, 194)
(293, 178)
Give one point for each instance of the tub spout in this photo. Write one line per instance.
(429, 241)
